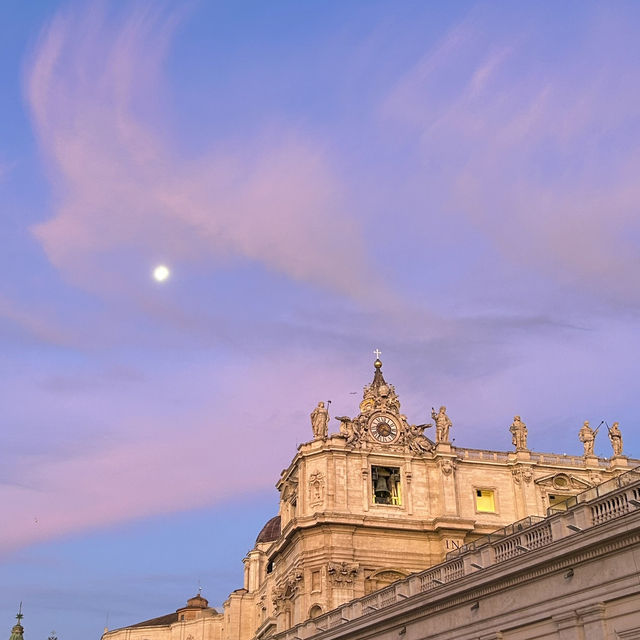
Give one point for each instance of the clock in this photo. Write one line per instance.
(383, 429)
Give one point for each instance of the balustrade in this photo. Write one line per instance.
(605, 502)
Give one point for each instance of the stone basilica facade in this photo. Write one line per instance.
(372, 507)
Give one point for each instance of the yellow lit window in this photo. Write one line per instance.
(485, 500)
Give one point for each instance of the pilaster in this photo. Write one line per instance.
(568, 626)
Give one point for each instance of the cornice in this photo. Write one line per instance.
(596, 542)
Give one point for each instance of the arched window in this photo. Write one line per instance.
(315, 611)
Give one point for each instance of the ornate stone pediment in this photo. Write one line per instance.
(389, 575)
(563, 482)
(383, 577)
(380, 423)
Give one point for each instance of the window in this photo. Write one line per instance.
(556, 498)
(315, 611)
(386, 485)
(485, 500)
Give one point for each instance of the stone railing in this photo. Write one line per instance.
(535, 456)
(612, 499)
(557, 459)
(482, 454)
(496, 536)
(630, 477)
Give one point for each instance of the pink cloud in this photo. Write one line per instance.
(94, 87)
(231, 443)
(540, 158)
(34, 323)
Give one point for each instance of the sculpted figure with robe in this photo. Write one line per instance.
(615, 435)
(443, 424)
(519, 434)
(587, 436)
(320, 422)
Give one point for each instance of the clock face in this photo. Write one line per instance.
(383, 429)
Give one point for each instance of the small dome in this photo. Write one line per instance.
(197, 602)
(270, 531)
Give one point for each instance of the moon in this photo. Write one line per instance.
(161, 273)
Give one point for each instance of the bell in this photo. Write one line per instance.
(381, 485)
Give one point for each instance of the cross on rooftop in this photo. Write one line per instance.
(377, 352)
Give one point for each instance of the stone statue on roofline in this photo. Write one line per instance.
(587, 436)
(320, 422)
(615, 435)
(519, 434)
(443, 424)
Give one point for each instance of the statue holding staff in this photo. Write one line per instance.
(443, 424)
(519, 434)
(587, 436)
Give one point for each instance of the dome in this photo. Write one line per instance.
(270, 531)
(197, 602)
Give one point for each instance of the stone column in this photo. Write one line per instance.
(330, 481)
(341, 474)
(594, 621)
(524, 489)
(408, 474)
(446, 467)
(366, 479)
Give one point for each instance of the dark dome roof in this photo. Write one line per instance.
(270, 531)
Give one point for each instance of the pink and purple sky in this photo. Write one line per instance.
(456, 184)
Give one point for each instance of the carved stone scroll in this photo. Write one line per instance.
(342, 573)
(316, 488)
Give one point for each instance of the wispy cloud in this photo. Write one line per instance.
(163, 459)
(539, 155)
(123, 188)
(34, 323)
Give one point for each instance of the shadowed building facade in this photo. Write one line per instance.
(371, 506)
